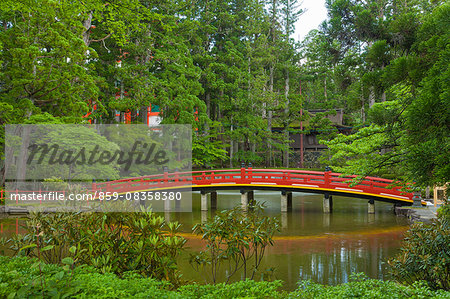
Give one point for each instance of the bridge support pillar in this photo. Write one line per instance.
(177, 205)
(289, 200)
(286, 201)
(204, 202)
(326, 219)
(371, 207)
(167, 217)
(167, 206)
(251, 197)
(327, 203)
(244, 200)
(204, 216)
(213, 196)
(284, 220)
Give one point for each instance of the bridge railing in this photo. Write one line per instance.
(279, 177)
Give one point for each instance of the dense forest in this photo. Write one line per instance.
(233, 70)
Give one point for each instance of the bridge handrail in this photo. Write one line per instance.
(252, 173)
(292, 177)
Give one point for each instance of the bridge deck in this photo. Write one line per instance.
(264, 179)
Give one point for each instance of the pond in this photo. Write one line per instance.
(326, 248)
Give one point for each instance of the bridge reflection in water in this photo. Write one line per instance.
(324, 247)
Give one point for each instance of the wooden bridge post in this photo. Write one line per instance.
(327, 203)
(251, 197)
(204, 202)
(326, 219)
(166, 174)
(204, 216)
(177, 205)
(371, 207)
(370, 218)
(167, 216)
(284, 220)
(167, 206)
(326, 176)
(286, 201)
(213, 198)
(244, 200)
(289, 200)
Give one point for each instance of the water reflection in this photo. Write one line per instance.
(325, 248)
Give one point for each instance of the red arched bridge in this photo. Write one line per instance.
(248, 179)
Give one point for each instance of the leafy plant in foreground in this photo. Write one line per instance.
(425, 254)
(235, 240)
(111, 242)
(360, 286)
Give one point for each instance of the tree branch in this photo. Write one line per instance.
(102, 39)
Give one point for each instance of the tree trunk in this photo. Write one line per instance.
(363, 113)
(87, 29)
(231, 145)
(23, 156)
(208, 111)
(144, 115)
(269, 120)
(371, 97)
(286, 114)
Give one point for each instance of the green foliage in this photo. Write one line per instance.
(235, 238)
(230, 63)
(30, 278)
(242, 289)
(425, 254)
(44, 59)
(428, 117)
(444, 214)
(111, 242)
(20, 279)
(208, 150)
(108, 285)
(363, 153)
(362, 287)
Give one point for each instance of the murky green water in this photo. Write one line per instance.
(325, 248)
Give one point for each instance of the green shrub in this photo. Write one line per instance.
(22, 277)
(242, 289)
(109, 285)
(444, 214)
(111, 242)
(425, 254)
(26, 278)
(361, 287)
(236, 240)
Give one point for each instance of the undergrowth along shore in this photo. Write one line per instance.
(22, 277)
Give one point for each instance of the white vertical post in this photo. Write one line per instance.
(167, 207)
(327, 203)
(244, 200)
(371, 207)
(204, 216)
(284, 201)
(284, 220)
(204, 201)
